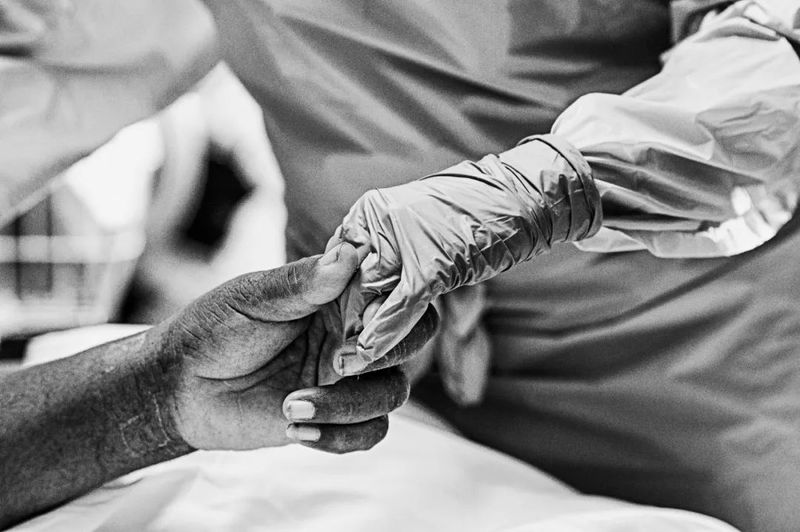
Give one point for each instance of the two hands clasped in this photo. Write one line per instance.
(239, 350)
(309, 352)
(250, 364)
(320, 340)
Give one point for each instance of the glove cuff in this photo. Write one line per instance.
(559, 172)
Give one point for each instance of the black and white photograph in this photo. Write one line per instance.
(400, 265)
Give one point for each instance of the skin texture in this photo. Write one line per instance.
(236, 369)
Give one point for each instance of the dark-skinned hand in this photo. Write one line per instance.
(261, 349)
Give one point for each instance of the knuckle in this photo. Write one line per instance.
(348, 410)
(297, 275)
(290, 279)
(242, 293)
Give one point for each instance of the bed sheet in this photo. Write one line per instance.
(420, 478)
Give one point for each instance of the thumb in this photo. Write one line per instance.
(296, 289)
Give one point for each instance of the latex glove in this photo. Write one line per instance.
(257, 347)
(458, 227)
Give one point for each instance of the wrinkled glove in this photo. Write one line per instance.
(458, 227)
(699, 161)
(703, 159)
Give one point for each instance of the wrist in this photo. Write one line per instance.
(73, 424)
(143, 426)
(561, 176)
(157, 429)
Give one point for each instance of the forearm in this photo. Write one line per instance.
(69, 426)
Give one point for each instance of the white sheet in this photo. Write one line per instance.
(420, 478)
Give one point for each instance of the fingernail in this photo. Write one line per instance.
(300, 410)
(347, 349)
(331, 256)
(303, 433)
(350, 364)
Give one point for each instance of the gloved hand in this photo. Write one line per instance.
(678, 167)
(458, 227)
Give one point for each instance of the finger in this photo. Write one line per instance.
(356, 299)
(372, 309)
(355, 225)
(422, 333)
(420, 364)
(340, 439)
(295, 289)
(422, 361)
(464, 365)
(351, 400)
(380, 271)
(377, 275)
(391, 323)
(361, 249)
(334, 240)
(351, 305)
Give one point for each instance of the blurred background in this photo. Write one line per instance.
(196, 198)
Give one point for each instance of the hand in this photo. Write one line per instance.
(261, 345)
(456, 228)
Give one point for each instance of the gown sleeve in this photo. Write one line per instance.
(702, 159)
(73, 73)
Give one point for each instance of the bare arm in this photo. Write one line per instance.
(68, 426)
(230, 371)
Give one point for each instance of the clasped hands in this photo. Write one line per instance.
(277, 343)
(258, 354)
